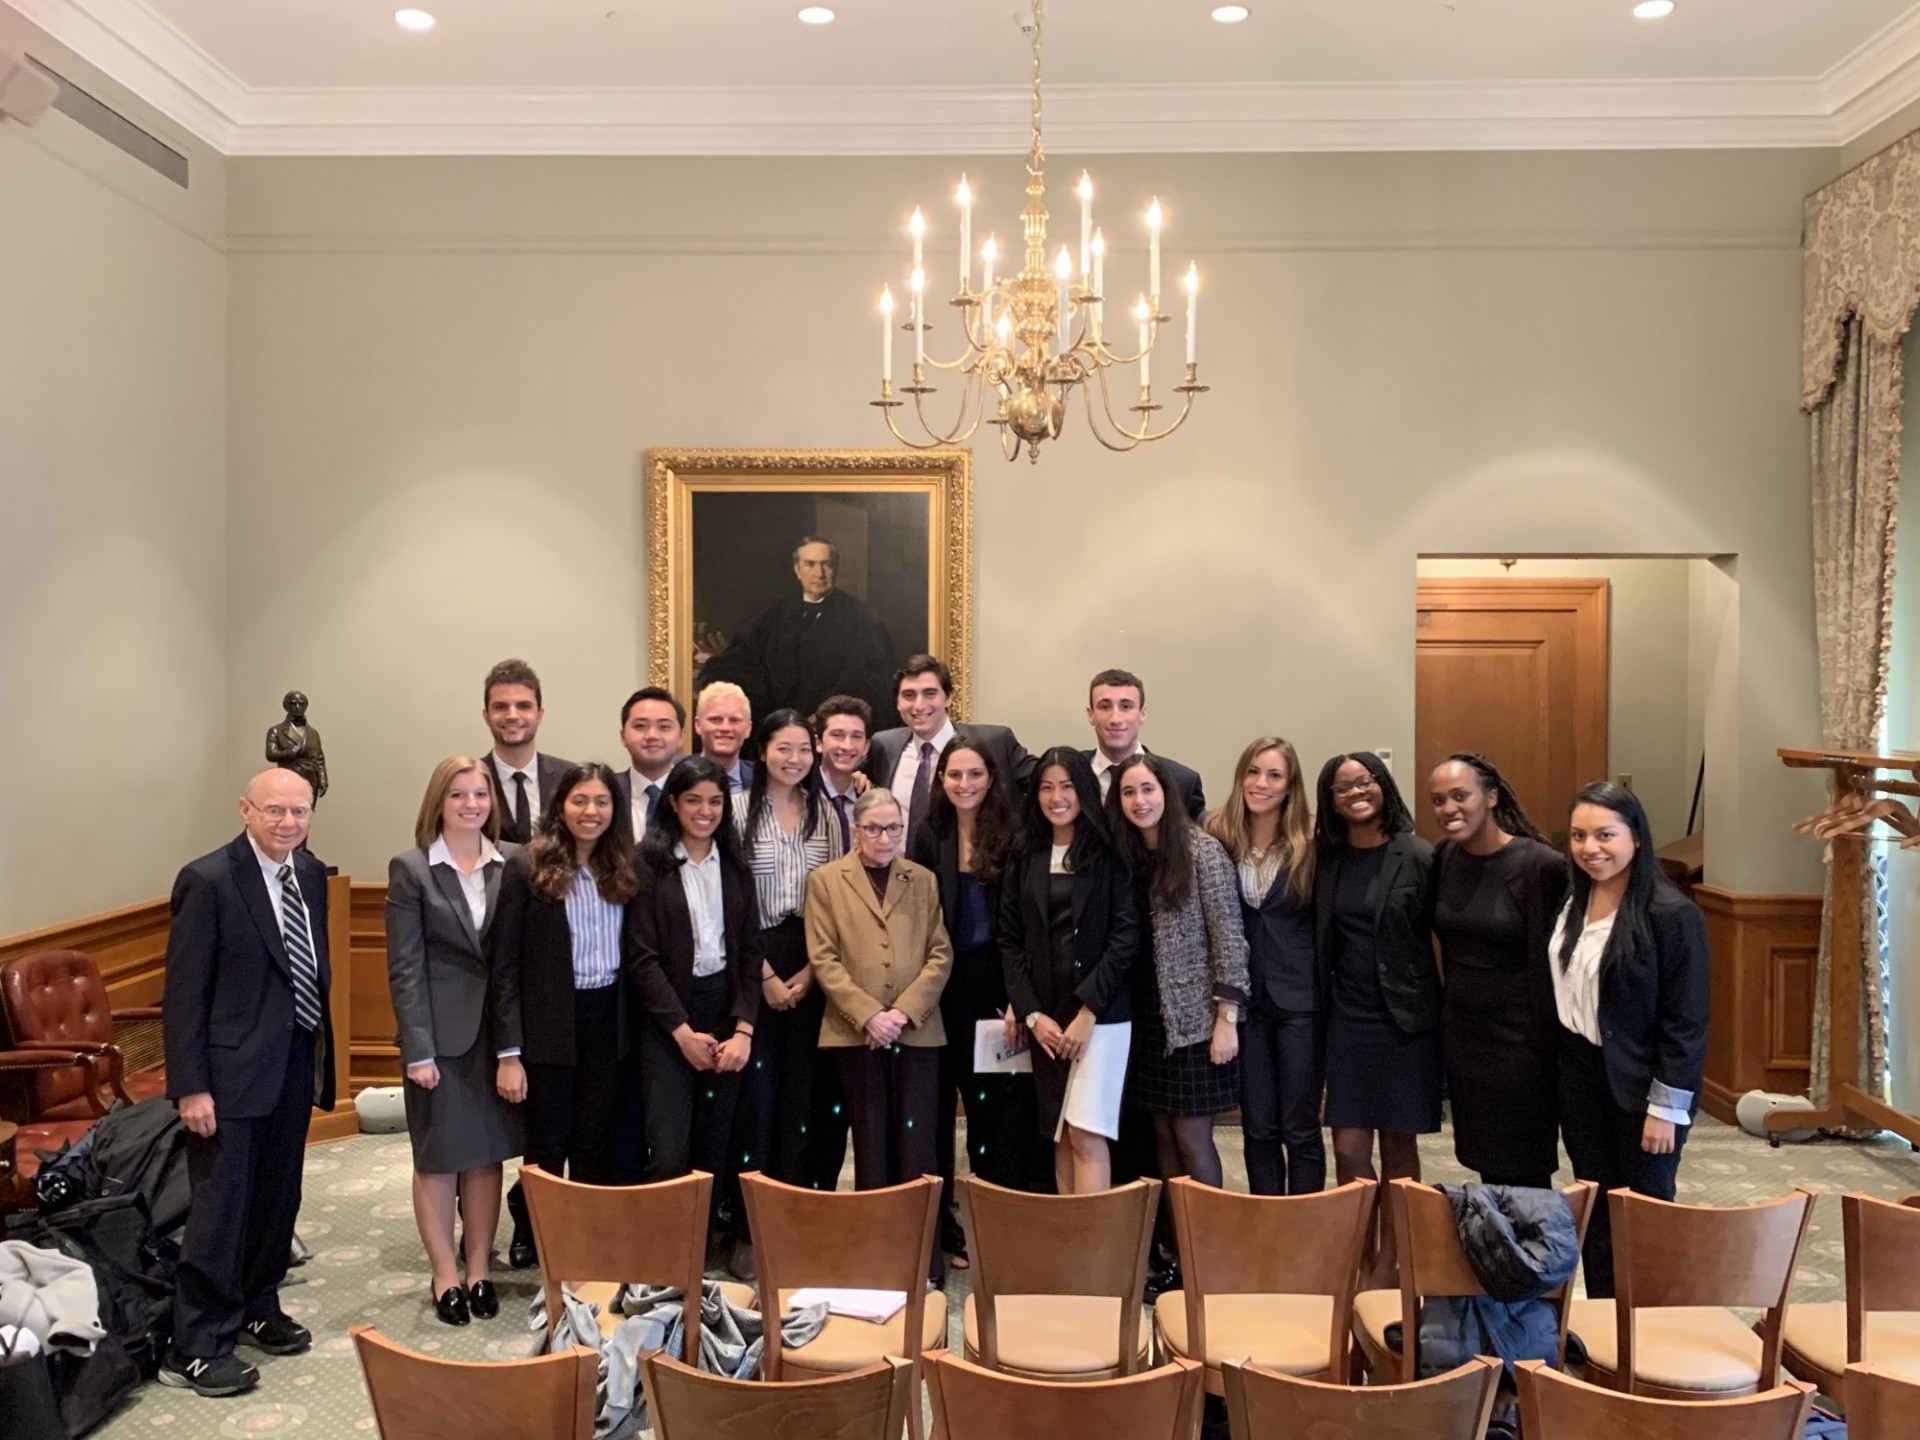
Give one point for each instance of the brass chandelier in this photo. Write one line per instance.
(1033, 338)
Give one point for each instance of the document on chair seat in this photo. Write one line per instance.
(993, 1056)
(878, 1306)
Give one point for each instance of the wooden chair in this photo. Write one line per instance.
(1880, 1405)
(1879, 1321)
(688, 1404)
(1432, 1263)
(1057, 1279)
(595, 1238)
(1556, 1407)
(849, 1239)
(1271, 1403)
(971, 1402)
(1269, 1278)
(1675, 1269)
(417, 1397)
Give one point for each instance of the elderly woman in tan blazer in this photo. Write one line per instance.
(878, 947)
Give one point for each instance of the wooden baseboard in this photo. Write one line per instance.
(336, 1124)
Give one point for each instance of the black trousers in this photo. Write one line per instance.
(829, 1127)
(573, 1110)
(1603, 1143)
(890, 1100)
(690, 1112)
(777, 1106)
(246, 1197)
(1282, 1073)
(1003, 1118)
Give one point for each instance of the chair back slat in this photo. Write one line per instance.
(638, 1234)
(1557, 1407)
(1454, 1406)
(971, 1402)
(1671, 1254)
(420, 1397)
(684, 1403)
(1883, 1263)
(1880, 1406)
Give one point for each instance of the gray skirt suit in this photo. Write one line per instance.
(449, 1011)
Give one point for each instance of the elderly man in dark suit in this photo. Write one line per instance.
(248, 1058)
(1116, 709)
(902, 759)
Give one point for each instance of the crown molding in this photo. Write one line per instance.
(130, 42)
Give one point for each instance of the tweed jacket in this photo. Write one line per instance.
(1200, 949)
(869, 956)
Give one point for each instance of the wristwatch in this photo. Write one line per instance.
(1033, 1020)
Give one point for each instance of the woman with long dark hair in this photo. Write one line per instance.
(1266, 828)
(1629, 968)
(693, 949)
(1374, 944)
(1190, 978)
(786, 834)
(966, 842)
(1068, 935)
(556, 939)
(1497, 886)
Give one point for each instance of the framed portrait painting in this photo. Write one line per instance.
(799, 574)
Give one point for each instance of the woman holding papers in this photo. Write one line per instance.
(964, 842)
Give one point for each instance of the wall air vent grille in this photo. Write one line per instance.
(114, 128)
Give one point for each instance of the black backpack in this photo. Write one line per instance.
(142, 1150)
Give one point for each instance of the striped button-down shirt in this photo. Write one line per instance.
(782, 862)
(595, 925)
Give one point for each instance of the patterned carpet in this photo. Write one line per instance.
(368, 1266)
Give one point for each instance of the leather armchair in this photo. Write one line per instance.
(55, 1002)
(16, 1180)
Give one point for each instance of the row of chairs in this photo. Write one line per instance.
(416, 1397)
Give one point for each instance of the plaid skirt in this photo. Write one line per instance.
(1186, 1082)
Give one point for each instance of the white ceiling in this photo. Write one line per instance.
(893, 76)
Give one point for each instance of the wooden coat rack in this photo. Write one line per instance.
(1855, 778)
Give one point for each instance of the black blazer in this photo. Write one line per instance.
(1402, 931)
(658, 943)
(974, 991)
(1537, 885)
(1106, 937)
(1186, 781)
(549, 768)
(532, 957)
(1653, 1008)
(1003, 747)
(1282, 972)
(227, 1010)
(439, 971)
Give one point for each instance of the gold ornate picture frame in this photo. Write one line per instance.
(722, 531)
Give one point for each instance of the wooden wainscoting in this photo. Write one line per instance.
(1764, 952)
(375, 1058)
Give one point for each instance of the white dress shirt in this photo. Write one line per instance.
(1103, 768)
(270, 872)
(638, 784)
(907, 768)
(507, 788)
(473, 886)
(701, 880)
(1576, 996)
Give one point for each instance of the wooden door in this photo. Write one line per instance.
(1517, 671)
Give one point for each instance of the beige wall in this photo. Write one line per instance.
(448, 369)
(113, 543)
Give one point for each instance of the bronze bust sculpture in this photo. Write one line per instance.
(294, 745)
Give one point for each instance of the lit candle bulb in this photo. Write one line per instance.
(965, 197)
(1153, 250)
(1063, 267)
(1193, 313)
(1003, 327)
(1144, 314)
(886, 333)
(1085, 192)
(919, 284)
(989, 252)
(1099, 279)
(917, 227)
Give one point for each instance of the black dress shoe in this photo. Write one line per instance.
(451, 1306)
(483, 1300)
(520, 1252)
(277, 1335)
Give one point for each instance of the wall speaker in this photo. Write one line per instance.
(25, 93)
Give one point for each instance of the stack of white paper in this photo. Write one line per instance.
(879, 1306)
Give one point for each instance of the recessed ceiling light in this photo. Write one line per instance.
(418, 21)
(816, 15)
(1653, 9)
(1230, 14)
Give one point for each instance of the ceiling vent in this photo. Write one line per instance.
(114, 128)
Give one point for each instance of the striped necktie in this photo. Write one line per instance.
(293, 929)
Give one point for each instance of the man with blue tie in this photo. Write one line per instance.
(248, 1058)
(652, 725)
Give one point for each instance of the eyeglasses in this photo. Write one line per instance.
(1357, 787)
(883, 831)
(277, 813)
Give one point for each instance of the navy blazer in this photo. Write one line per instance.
(658, 945)
(549, 768)
(439, 971)
(1402, 931)
(1653, 1007)
(531, 945)
(1281, 969)
(1186, 781)
(227, 1010)
(1106, 937)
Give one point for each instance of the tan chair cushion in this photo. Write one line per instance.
(1693, 1347)
(1286, 1332)
(1373, 1311)
(1055, 1334)
(1817, 1334)
(845, 1344)
(741, 1296)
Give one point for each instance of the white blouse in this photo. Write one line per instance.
(473, 886)
(1576, 995)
